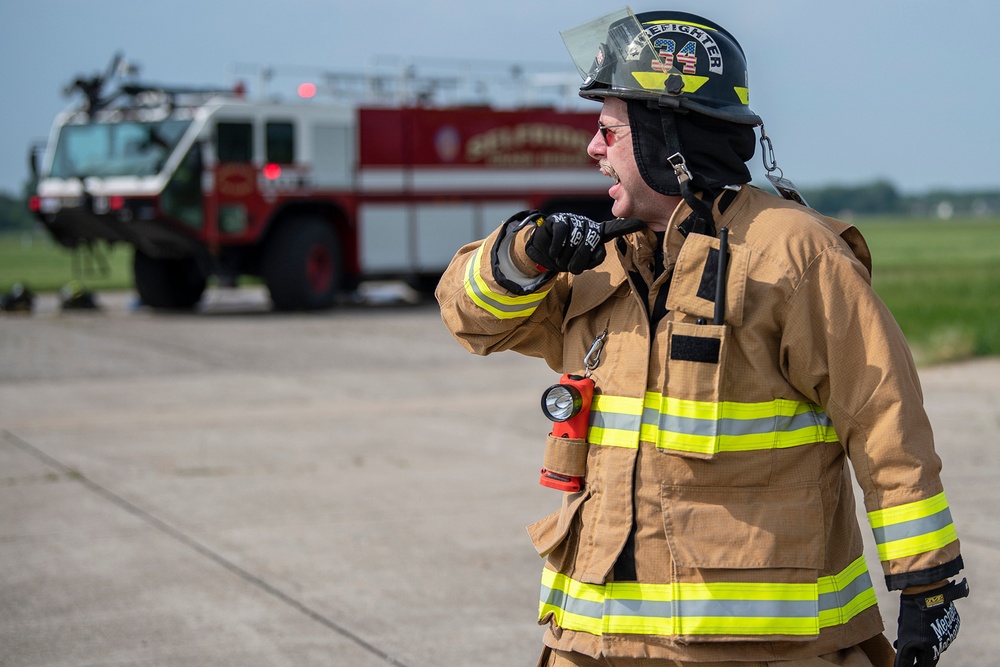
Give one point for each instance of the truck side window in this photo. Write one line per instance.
(182, 198)
(280, 142)
(234, 142)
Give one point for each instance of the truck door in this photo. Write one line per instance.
(236, 202)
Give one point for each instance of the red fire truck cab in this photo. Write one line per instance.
(314, 198)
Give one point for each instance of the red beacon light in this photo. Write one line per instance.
(307, 90)
(272, 171)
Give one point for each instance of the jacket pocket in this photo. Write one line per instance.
(688, 411)
(550, 532)
(689, 408)
(693, 287)
(740, 528)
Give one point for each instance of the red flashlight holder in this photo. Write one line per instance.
(567, 443)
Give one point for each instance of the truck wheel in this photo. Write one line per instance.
(302, 265)
(169, 284)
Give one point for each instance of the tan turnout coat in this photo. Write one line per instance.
(724, 447)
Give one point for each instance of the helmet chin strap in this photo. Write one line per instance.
(701, 220)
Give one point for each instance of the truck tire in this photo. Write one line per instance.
(168, 284)
(302, 265)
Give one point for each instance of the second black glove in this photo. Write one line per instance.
(574, 243)
(928, 624)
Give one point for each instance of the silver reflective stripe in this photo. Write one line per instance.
(714, 608)
(572, 605)
(914, 528)
(733, 427)
(615, 420)
(529, 303)
(839, 599)
(718, 608)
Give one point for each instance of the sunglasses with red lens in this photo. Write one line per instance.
(609, 137)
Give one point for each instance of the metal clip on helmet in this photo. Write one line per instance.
(680, 61)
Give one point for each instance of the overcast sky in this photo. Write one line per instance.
(850, 91)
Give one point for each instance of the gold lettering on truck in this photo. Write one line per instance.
(529, 144)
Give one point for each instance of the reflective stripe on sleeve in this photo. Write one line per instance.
(503, 306)
(705, 427)
(913, 528)
(732, 609)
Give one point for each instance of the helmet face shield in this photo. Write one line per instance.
(599, 47)
(680, 61)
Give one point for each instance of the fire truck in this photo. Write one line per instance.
(312, 197)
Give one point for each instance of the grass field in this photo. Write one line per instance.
(941, 279)
(44, 266)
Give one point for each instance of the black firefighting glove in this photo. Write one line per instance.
(928, 624)
(571, 242)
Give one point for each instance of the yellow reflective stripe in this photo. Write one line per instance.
(746, 591)
(575, 589)
(672, 22)
(612, 437)
(634, 625)
(700, 409)
(726, 608)
(680, 407)
(836, 582)
(680, 609)
(803, 627)
(743, 94)
(503, 306)
(759, 609)
(850, 592)
(615, 421)
(829, 618)
(680, 442)
(571, 621)
(706, 427)
(658, 81)
(914, 546)
(908, 512)
(619, 404)
(913, 528)
(573, 604)
(707, 625)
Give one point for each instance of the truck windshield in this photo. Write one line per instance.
(115, 149)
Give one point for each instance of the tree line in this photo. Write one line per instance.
(882, 198)
(14, 214)
(876, 198)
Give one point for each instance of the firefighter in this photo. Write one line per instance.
(738, 359)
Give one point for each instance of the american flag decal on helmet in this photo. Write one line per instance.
(666, 48)
(689, 56)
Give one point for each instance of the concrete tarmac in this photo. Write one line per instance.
(237, 487)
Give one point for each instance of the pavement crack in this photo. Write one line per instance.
(194, 544)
